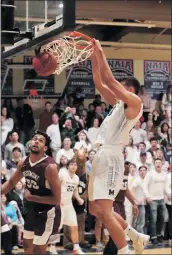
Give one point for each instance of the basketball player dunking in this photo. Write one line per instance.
(108, 165)
(43, 195)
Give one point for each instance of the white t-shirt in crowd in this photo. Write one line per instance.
(54, 133)
(154, 185)
(131, 153)
(168, 187)
(68, 186)
(137, 184)
(138, 135)
(62, 152)
(84, 145)
(92, 134)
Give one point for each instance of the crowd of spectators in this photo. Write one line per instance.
(72, 127)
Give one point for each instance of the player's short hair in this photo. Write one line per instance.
(132, 82)
(73, 160)
(47, 138)
(157, 159)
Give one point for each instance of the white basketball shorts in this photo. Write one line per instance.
(68, 215)
(106, 176)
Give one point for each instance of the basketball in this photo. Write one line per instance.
(44, 64)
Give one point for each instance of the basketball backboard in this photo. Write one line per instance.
(44, 20)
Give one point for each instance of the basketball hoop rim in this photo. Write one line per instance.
(84, 36)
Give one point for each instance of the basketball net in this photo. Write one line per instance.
(70, 50)
(35, 100)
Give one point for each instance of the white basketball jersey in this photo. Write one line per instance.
(68, 186)
(116, 128)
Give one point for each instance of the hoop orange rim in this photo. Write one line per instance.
(86, 37)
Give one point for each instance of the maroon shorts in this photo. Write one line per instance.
(119, 208)
(42, 227)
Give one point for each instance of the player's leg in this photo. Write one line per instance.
(28, 234)
(105, 213)
(46, 229)
(70, 219)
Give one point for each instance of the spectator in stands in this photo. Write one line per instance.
(154, 187)
(154, 146)
(12, 219)
(167, 119)
(169, 146)
(24, 115)
(83, 142)
(6, 235)
(65, 151)
(84, 116)
(164, 130)
(99, 114)
(160, 154)
(90, 115)
(144, 161)
(4, 131)
(68, 131)
(93, 131)
(138, 134)
(147, 142)
(128, 205)
(10, 108)
(91, 155)
(146, 99)
(70, 100)
(148, 126)
(17, 194)
(97, 101)
(63, 163)
(156, 118)
(167, 98)
(131, 150)
(3, 171)
(104, 109)
(45, 118)
(8, 121)
(168, 201)
(137, 190)
(54, 133)
(12, 164)
(14, 142)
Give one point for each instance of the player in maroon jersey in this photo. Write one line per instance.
(42, 195)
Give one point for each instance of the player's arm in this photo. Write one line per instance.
(51, 174)
(108, 95)
(120, 92)
(77, 196)
(132, 200)
(15, 178)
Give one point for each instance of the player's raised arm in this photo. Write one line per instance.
(117, 88)
(15, 178)
(108, 95)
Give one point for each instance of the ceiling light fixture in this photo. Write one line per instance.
(61, 5)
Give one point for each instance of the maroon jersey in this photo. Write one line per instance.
(36, 182)
(121, 195)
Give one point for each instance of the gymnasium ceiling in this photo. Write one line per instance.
(127, 21)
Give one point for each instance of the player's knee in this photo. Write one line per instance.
(28, 245)
(104, 215)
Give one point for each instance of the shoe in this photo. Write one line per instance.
(52, 249)
(155, 241)
(69, 246)
(77, 251)
(141, 242)
(160, 239)
(15, 248)
(85, 245)
(170, 242)
(99, 245)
